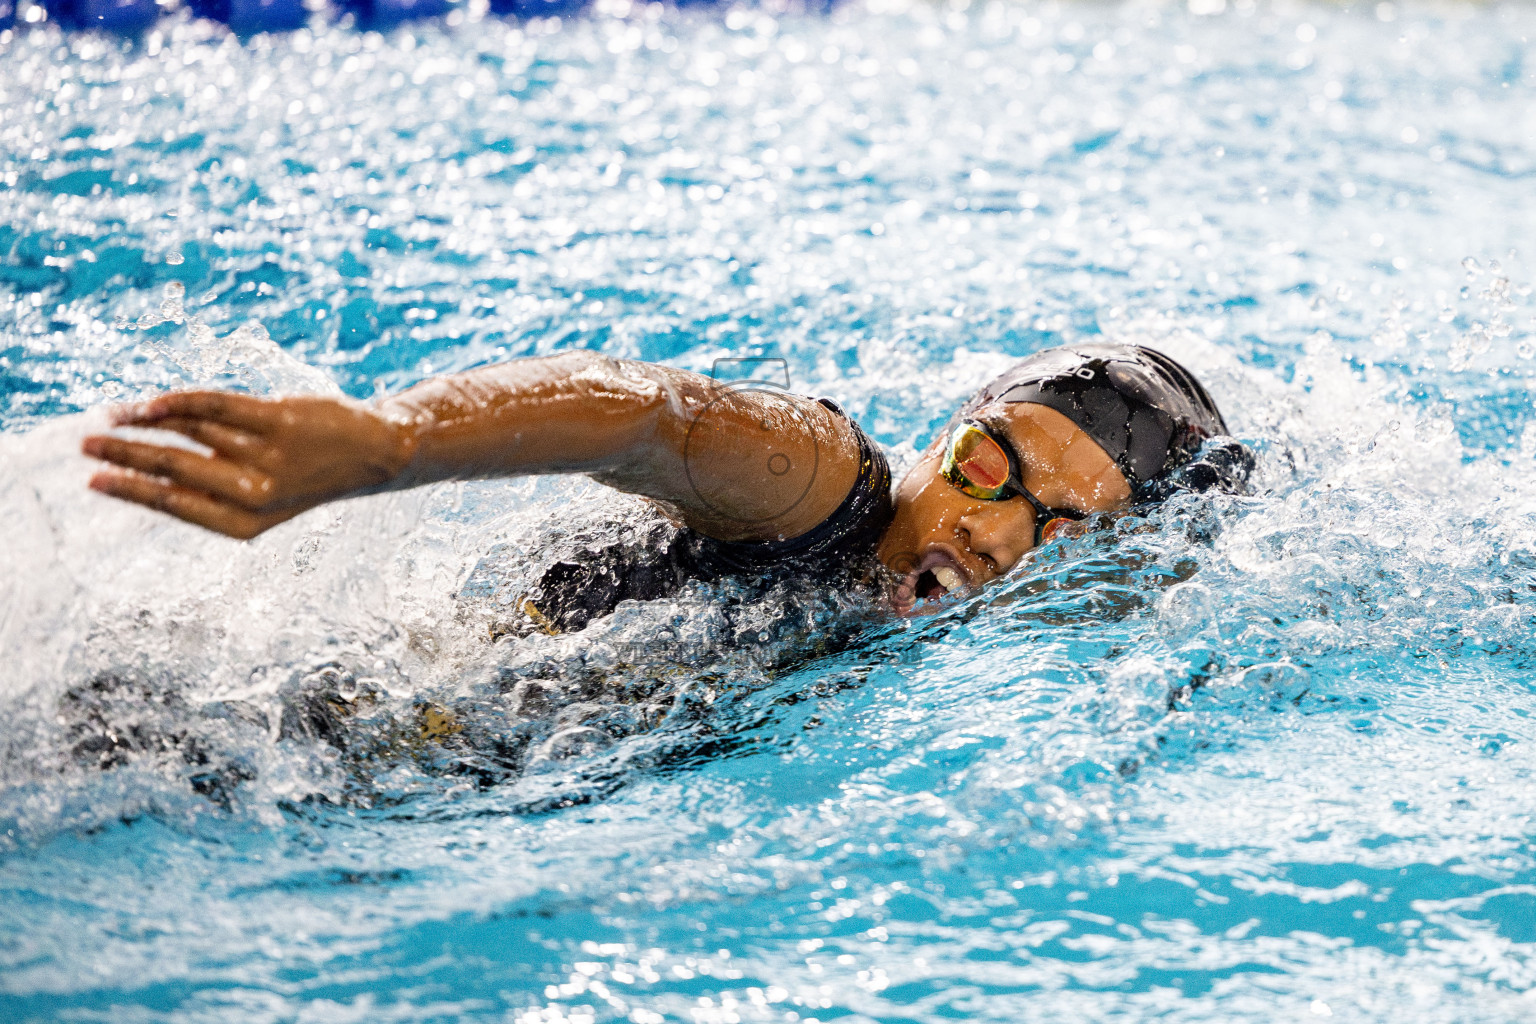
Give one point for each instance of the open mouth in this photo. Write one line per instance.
(937, 575)
(935, 583)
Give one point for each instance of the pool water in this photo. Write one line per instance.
(1262, 758)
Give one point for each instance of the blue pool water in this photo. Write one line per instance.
(1246, 760)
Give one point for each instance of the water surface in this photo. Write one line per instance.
(1246, 759)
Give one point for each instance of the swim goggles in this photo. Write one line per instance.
(983, 465)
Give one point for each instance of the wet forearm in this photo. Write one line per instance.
(736, 464)
(575, 412)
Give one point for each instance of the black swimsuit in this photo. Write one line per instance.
(572, 594)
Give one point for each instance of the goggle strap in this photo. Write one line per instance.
(1047, 520)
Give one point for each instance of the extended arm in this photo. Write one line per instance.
(736, 464)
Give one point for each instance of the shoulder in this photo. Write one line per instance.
(845, 536)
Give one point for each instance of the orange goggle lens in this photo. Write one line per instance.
(976, 464)
(1053, 527)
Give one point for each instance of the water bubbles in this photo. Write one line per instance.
(1479, 338)
(328, 678)
(392, 748)
(174, 258)
(171, 307)
(1392, 335)
(1528, 441)
(252, 334)
(1497, 290)
(577, 742)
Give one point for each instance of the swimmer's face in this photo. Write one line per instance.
(942, 539)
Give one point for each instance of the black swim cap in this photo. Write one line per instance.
(1145, 410)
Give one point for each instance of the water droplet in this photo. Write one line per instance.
(579, 741)
(174, 258)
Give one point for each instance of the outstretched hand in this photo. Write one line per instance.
(270, 459)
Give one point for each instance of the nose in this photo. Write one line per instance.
(998, 532)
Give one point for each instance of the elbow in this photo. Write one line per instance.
(616, 411)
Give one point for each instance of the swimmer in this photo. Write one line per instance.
(757, 481)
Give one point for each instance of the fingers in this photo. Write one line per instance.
(227, 441)
(219, 477)
(240, 411)
(187, 505)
